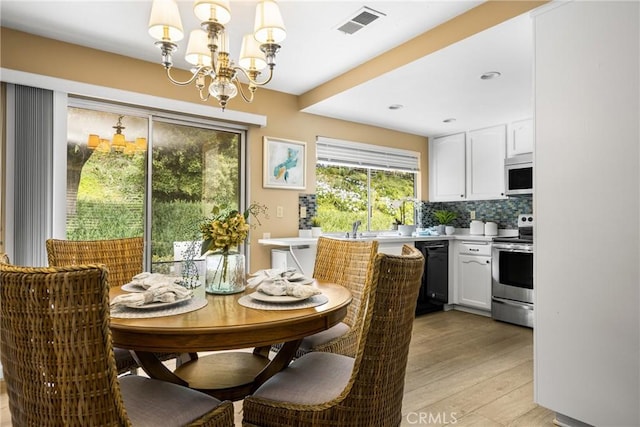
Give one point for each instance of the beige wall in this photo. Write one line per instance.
(29, 53)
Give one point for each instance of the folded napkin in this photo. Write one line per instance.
(269, 275)
(146, 280)
(284, 287)
(162, 292)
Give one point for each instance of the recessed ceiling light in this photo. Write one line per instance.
(490, 75)
(396, 107)
(449, 120)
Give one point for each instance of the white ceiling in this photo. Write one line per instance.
(442, 85)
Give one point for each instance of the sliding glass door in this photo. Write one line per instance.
(161, 182)
(105, 184)
(193, 168)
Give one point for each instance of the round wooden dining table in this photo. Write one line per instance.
(225, 324)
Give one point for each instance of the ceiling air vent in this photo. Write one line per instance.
(361, 18)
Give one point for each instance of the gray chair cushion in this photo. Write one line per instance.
(156, 403)
(323, 337)
(312, 379)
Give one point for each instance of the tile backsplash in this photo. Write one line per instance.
(504, 212)
(308, 201)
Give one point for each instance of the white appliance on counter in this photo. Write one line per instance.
(476, 228)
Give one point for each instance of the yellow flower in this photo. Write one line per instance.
(228, 227)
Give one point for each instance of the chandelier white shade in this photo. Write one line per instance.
(208, 47)
(165, 22)
(269, 27)
(217, 11)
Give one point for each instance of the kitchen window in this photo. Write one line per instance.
(356, 181)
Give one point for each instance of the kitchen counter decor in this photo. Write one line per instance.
(223, 232)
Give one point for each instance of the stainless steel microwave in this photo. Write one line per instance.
(518, 174)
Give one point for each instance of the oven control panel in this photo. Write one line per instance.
(525, 220)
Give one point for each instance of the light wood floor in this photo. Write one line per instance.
(464, 370)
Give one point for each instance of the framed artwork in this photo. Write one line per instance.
(284, 164)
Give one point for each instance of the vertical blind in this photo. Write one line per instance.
(356, 154)
(32, 174)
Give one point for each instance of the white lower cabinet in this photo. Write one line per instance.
(474, 275)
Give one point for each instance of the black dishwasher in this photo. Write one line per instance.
(434, 291)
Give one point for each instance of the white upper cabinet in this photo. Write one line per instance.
(468, 166)
(485, 163)
(447, 168)
(520, 139)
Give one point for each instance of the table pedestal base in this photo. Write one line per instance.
(226, 376)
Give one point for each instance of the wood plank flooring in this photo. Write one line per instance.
(463, 370)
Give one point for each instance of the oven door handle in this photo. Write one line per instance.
(513, 248)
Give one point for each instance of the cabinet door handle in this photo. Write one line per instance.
(474, 261)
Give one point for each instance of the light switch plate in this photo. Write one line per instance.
(279, 212)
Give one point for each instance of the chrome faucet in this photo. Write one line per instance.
(354, 231)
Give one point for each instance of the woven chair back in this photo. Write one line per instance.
(57, 355)
(123, 257)
(374, 396)
(348, 263)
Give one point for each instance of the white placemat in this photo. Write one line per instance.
(313, 301)
(195, 303)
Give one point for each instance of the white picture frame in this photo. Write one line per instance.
(285, 163)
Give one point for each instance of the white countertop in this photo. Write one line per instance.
(460, 234)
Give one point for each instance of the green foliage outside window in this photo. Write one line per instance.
(343, 194)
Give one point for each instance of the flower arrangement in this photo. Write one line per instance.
(227, 227)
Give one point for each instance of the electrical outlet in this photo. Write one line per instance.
(303, 211)
(472, 214)
(279, 212)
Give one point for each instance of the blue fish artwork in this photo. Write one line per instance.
(281, 171)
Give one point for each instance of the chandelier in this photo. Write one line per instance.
(118, 143)
(208, 47)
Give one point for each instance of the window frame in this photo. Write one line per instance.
(358, 155)
(175, 118)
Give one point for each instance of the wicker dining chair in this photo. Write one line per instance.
(331, 389)
(58, 362)
(348, 263)
(124, 259)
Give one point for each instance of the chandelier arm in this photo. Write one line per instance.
(253, 81)
(204, 98)
(196, 73)
(252, 89)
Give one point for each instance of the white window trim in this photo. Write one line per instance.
(122, 96)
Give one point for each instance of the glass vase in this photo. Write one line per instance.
(225, 273)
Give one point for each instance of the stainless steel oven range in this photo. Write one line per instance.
(512, 275)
